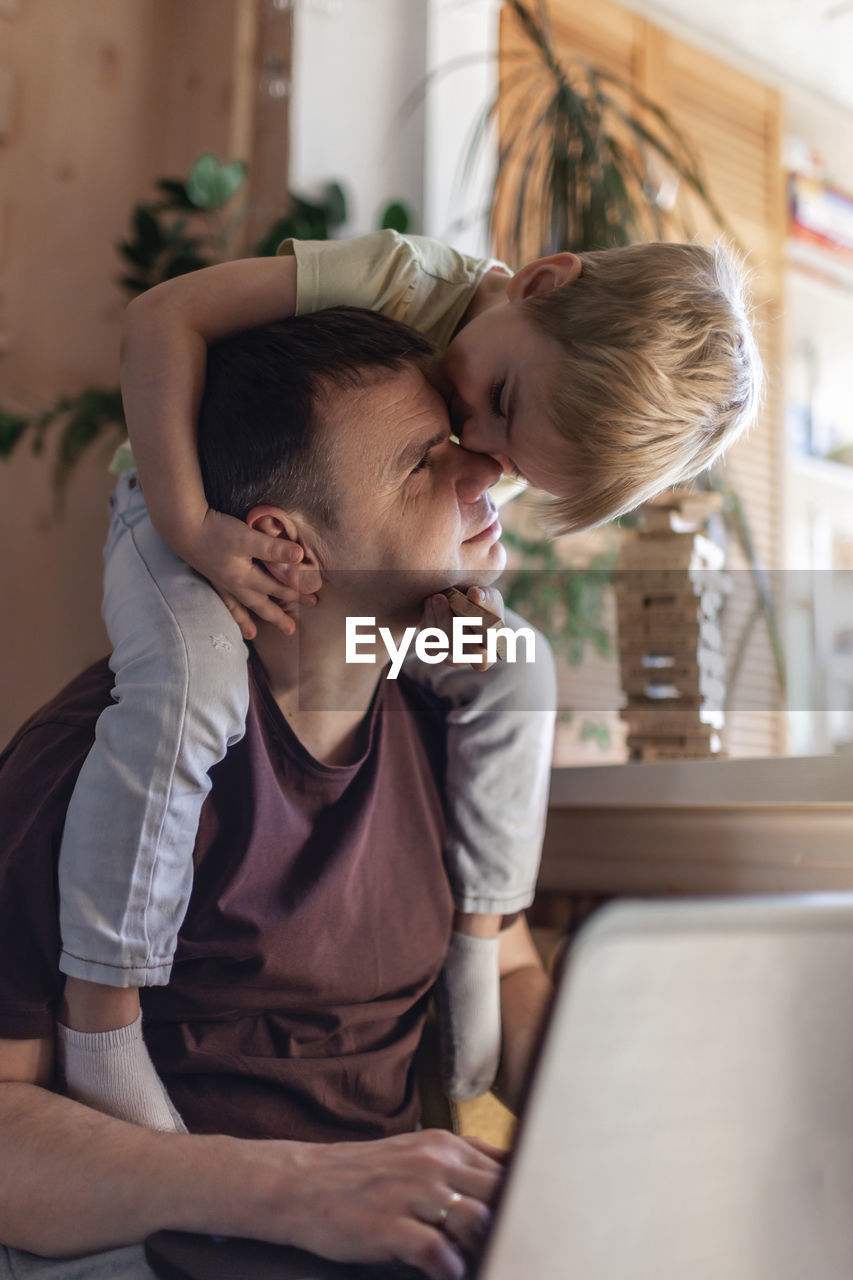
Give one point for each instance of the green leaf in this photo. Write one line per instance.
(211, 184)
(335, 201)
(268, 246)
(12, 428)
(396, 216)
(176, 192)
(134, 284)
(148, 234)
(136, 254)
(182, 263)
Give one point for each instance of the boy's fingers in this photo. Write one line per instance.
(260, 582)
(241, 616)
(302, 581)
(488, 598)
(272, 612)
(262, 546)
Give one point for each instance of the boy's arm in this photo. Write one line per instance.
(164, 349)
(75, 1181)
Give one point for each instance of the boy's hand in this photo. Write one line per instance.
(438, 613)
(224, 551)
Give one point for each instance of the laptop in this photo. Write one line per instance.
(690, 1113)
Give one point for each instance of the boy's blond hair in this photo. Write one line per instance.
(660, 372)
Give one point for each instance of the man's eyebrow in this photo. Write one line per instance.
(414, 451)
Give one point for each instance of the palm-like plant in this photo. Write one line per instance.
(585, 161)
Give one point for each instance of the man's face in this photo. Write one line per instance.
(414, 514)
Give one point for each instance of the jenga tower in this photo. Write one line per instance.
(669, 590)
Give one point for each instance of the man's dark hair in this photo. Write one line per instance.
(258, 437)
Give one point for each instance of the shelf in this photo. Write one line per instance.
(833, 475)
(820, 267)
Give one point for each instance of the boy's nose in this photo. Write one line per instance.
(480, 435)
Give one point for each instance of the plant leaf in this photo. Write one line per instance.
(211, 184)
(396, 216)
(12, 427)
(150, 239)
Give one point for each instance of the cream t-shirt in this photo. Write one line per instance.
(420, 282)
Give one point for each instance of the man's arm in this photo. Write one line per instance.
(73, 1181)
(525, 997)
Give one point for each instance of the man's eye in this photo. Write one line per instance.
(496, 396)
(424, 463)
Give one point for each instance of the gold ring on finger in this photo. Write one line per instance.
(441, 1221)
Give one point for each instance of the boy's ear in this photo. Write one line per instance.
(278, 523)
(542, 275)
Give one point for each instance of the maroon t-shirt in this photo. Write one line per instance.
(318, 922)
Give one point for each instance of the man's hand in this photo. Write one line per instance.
(384, 1201)
(225, 551)
(438, 613)
(74, 1181)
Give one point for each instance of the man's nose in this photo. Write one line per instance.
(477, 473)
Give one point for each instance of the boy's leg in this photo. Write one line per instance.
(115, 1264)
(469, 1008)
(500, 731)
(103, 1060)
(125, 869)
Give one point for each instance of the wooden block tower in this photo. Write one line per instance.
(670, 587)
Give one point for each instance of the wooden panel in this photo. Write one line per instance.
(108, 96)
(605, 33)
(694, 850)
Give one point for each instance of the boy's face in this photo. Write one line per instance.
(501, 371)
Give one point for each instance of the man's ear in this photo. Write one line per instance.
(278, 523)
(542, 275)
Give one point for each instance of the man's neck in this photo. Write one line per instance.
(324, 700)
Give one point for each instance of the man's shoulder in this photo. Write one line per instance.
(71, 712)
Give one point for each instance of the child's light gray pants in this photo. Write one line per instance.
(115, 1264)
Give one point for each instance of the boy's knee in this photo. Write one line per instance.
(218, 682)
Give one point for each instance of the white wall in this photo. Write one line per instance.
(355, 64)
(369, 110)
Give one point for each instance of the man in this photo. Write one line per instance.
(320, 908)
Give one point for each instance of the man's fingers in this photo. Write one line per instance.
(431, 1249)
(466, 1223)
(487, 1149)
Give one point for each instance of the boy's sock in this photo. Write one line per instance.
(470, 1015)
(112, 1072)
